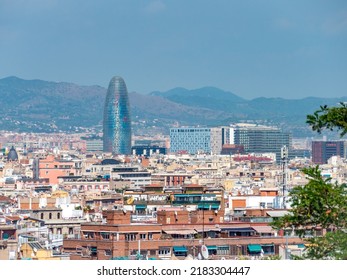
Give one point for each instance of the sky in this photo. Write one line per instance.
(270, 48)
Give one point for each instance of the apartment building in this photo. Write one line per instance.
(175, 234)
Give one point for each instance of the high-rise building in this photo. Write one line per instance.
(94, 145)
(324, 150)
(117, 122)
(260, 139)
(252, 138)
(194, 140)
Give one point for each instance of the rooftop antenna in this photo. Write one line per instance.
(284, 163)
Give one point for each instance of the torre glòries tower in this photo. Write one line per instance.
(117, 122)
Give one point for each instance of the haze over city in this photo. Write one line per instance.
(289, 49)
(173, 130)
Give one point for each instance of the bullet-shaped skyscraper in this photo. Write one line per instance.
(117, 122)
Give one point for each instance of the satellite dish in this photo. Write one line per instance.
(199, 257)
(124, 210)
(222, 259)
(130, 200)
(204, 251)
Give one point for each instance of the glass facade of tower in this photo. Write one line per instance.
(117, 122)
(190, 139)
(261, 139)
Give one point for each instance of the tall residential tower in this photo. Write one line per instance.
(117, 122)
(322, 151)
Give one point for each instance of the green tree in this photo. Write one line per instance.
(332, 246)
(319, 204)
(329, 118)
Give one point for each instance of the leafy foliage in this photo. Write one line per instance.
(329, 118)
(319, 204)
(332, 246)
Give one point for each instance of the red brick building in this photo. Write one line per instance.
(176, 233)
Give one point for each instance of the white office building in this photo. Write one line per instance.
(197, 140)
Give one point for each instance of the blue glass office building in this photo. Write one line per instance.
(117, 122)
(190, 139)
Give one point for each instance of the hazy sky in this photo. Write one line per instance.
(269, 48)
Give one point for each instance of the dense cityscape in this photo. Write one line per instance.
(197, 193)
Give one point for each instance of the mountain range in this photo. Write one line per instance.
(44, 106)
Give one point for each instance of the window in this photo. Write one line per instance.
(142, 236)
(164, 251)
(89, 235)
(223, 250)
(41, 216)
(108, 252)
(150, 236)
(130, 236)
(152, 252)
(50, 216)
(105, 235)
(268, 248)
(93, 251)
(58, 215)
